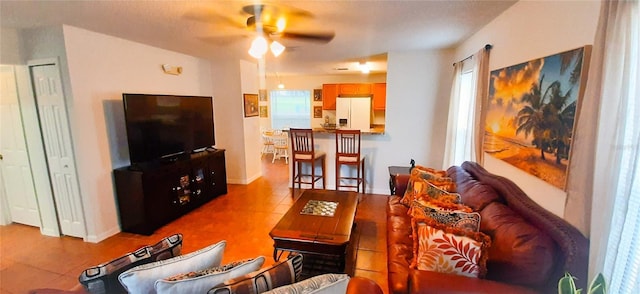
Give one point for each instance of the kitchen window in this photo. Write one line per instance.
(290, 109)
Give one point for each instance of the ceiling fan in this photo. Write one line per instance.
(267, 24)
(270, 23)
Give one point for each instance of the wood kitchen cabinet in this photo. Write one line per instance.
(355, 89)
(331, 91)
(379, 96)
(329, 94)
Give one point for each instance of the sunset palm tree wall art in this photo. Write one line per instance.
(532, 111)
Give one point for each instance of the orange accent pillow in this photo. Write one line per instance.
(435, 172)
(420, 181)
(449, 250)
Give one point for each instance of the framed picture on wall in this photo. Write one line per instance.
(264, 111)
(317, 112)
(317, 94)
(530, 121)
(262, 94)
(250, 105)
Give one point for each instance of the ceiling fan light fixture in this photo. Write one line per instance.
(281, 24)
(364, 67)
(258, 47)
(276, 48)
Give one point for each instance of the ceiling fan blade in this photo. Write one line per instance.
(314, 37)
(275, 10)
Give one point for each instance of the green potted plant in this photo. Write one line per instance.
(567, 285)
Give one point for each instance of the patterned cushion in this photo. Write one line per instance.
(422, 182)
(446, 249)
(208, 271)
(434, 192)
(282, 273)
(453, 215)
(322, 284)
(141, 279)
(202, 283)
(434, 172)
(103, 278)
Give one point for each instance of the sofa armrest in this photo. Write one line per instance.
(433, 282)
(400, 183)
(363, 285)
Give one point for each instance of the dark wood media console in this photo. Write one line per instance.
(153, 194)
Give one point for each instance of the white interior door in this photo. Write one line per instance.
(15, 170)
(54, 124)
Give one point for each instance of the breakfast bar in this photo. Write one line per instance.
(324, 141)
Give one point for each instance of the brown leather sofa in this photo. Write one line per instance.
(531, 247)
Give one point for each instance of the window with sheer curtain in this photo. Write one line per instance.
(465, 115)
(615, 226)
(290, 109)
(469, 89)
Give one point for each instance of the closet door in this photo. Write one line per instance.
(54, 125)
(16, 178)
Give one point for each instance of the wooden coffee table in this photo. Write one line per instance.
(317, 234)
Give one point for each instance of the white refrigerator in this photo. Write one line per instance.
(353, 113)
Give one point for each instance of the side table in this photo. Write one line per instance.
(393, 172)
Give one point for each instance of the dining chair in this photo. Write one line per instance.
(280, 147)
(303, 152)
(348, 153)
(267, 142)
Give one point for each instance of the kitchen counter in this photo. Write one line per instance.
(375, 130)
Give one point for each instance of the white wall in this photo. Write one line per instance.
(418, 88)
(101, 68)
(251, 125)
(526, 31)
(10, 52)
(229, 124)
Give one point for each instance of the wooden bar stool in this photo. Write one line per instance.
(348, 153)
(302, 151)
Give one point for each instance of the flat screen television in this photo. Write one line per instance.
(165, 126)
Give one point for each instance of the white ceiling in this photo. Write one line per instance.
(364, 30)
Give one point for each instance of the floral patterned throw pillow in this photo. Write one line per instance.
(446, 249)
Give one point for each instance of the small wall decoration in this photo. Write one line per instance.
(531, 112)
(262, 94)
(317, 94)
(264, 112)
(317, 112)
(250, 105)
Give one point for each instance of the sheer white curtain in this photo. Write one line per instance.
(465, 126)
(615, 226)
(452, 123)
